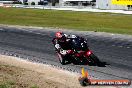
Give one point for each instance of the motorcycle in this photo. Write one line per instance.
(78, 54)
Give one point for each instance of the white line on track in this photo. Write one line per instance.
(120, 46)
(128, 47)
(1, 29)
(38, 33)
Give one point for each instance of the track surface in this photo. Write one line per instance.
(35, 45)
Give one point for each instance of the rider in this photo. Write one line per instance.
(62, 42)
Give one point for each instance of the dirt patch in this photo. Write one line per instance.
(24, 74)
(18, 73)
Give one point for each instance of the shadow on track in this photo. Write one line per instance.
(99, 64)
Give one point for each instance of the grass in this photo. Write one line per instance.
(84, 21)
(5, 85)
(9, 84)
(34, 86)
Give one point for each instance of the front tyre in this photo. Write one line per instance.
(61, 59)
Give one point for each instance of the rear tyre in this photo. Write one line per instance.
(94, 59)
(61, 59)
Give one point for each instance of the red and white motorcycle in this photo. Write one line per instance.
(78, 54)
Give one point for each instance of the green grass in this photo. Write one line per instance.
(34, 86)
(4, 86)
(9, 84)
(85, 21)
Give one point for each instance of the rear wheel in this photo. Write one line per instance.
(61, 59)
(94, 59)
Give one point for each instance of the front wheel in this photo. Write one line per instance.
(61, 59)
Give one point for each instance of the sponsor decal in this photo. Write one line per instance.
(122, 2)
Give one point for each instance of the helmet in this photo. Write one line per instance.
(59, 35)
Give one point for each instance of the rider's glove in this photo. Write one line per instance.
(57, 46)
(63, 52)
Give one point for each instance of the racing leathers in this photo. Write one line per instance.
(63, 45)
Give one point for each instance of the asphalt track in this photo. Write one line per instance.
(35, 45)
